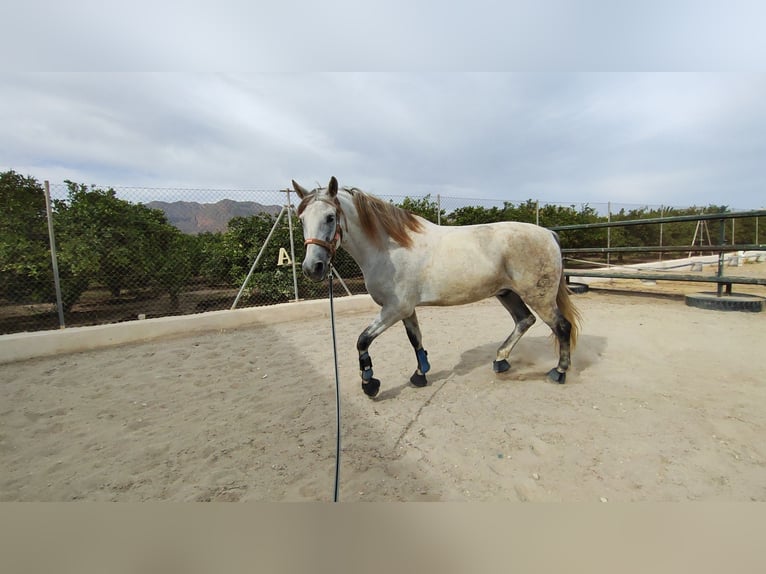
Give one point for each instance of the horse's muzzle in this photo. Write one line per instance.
(315, 270)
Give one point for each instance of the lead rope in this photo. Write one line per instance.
(337, 391)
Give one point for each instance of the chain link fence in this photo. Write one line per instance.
(130, 253)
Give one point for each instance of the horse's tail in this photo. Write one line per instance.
(566, 306)
(568, 310)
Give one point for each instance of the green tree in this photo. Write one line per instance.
(425, 207)
(234, 252)
(242, 242)
(474, 215)
(555, 215)
(526, 211)
(214, 260)
(116, 243)
(174, 270)
(25, 264)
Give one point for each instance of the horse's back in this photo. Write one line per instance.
(524, 241)
(473, 262)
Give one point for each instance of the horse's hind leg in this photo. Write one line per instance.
(418, 378)
(523, 318)
(562, 328)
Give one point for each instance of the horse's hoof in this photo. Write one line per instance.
(418, 380)
(557, 377)
(371, 387)
(500, 366)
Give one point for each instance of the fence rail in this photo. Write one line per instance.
(663, 220)
(668, 248)
(723, 282)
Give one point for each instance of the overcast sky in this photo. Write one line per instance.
(630, 138)
(666, 138)
(535, 132)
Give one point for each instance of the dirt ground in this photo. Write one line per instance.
(664, 402)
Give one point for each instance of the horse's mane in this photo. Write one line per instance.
(376, 214)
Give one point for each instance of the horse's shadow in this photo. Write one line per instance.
(470, 360)
(532, 355)
(475, 358)
(528, 358)
(393, 392)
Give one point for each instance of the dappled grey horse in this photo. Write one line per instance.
(408, 261)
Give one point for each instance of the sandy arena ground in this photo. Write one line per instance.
(664, 402)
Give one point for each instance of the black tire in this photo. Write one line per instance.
(711, 301)
(578, 287)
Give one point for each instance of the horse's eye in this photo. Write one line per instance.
(330, 218)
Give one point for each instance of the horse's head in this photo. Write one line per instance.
(319, 212)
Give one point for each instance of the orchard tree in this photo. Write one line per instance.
(425, 207)
(526, 211)
(116, 243)
(270, 282)
(174, 269)
(475, 214)
(554, 215)
(233, 256)
(215, 262)
(240, 246)
(25, 263)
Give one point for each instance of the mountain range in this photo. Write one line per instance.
(193, 218)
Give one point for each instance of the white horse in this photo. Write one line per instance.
(408, 261)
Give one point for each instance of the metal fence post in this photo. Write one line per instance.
(438, 209)
(608, 232)
(722, 240)
(662, 212)
(292, 242)
(54, 260)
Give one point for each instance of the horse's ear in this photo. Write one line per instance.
(301, 192)
(332, 187)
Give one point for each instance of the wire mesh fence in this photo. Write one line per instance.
(129, 253)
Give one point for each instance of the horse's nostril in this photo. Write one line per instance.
(319, 269)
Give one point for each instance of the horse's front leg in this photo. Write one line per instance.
(386, 318)
(412, 327)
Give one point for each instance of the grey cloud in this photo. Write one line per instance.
(675, 139)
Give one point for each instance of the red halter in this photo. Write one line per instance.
(331, 246)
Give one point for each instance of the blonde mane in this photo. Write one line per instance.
(376, 214)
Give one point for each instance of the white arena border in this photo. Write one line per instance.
(23, 346)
